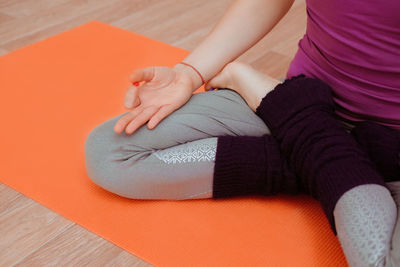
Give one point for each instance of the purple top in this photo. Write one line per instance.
(354, 46)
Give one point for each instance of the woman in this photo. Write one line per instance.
(214, 145)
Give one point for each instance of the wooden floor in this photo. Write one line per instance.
(31, 234)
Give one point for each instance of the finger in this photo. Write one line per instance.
(146, 74)
(141, 119)
(161, 114)
(131, 97)
(121, 124)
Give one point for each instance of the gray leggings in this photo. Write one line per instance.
(176, 161)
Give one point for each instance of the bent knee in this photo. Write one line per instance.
(97, 155)
(114, 164)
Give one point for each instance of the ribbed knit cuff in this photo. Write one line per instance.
(246, 165)
(239, 166)
(293, 96)
(331, 189)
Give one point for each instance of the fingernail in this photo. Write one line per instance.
(136, 83)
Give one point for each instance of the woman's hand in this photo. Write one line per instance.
(251, 84)
(160, 91)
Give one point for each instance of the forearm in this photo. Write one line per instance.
(243, 24)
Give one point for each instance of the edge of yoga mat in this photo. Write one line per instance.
(59, 89)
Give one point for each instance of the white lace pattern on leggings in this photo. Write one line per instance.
(365, 218)
(200, 150)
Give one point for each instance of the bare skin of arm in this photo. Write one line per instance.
(163, 90)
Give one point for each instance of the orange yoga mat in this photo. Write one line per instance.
(54, 92)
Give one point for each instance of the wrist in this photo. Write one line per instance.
(191, 74)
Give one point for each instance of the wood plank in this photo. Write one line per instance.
(26, 225)
(8, 197)
(17, 28)
(21, 9)
(292, 29)
(6, 3)
(3, 51)
(177, 23)
(77, 247)
(103, 13)
(4, 18)
(125, 259)
(277, 66)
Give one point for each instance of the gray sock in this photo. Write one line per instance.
(365, 217)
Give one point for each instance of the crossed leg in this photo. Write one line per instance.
(176, 159)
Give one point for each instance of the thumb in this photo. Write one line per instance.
(146, 74)
(131, 97)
